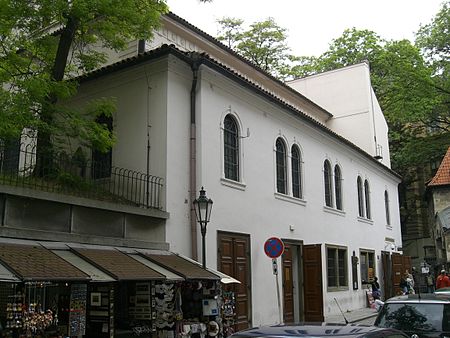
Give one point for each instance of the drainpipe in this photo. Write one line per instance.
(193, 156)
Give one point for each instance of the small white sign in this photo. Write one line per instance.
(274, 266)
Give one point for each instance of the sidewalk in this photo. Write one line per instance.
(352, 316)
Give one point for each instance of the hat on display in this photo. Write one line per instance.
(213, 328)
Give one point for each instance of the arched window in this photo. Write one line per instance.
(360, 197)
(296, 166)
(102, 161)
(327, 182)
(338, 187)
(386, 207)
(231, 148)
(367, 198)
(281, 166)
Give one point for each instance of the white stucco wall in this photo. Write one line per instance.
(259, 211)
(158, 95)
(348, 95)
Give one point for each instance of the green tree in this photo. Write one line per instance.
(404, 85)
(230, 31)
(263, 43)
(434, 41)
(45, 44)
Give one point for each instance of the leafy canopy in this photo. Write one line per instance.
(263, 43)
(45, 44)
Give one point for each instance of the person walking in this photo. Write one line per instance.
(410, 281)
(430, 283)
(442, 281)
(404, 284)
(376, 292)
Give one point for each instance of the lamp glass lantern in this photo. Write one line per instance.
(202, 208)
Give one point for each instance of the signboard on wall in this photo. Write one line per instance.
(77, 314)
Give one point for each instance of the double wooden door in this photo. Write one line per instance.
(234, 260)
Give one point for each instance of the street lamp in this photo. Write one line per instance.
(202, 207)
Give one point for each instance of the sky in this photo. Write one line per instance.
(312, 24)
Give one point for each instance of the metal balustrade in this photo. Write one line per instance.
(60, 173)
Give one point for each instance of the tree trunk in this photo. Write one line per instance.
(44, 148)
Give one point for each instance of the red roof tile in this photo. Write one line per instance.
(442, 176)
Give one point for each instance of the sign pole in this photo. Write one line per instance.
(274, 248)
(275, 272)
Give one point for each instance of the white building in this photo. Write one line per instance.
(275, 163)
(300, 162)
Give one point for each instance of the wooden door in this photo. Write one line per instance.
(313, 295)
(234, 260)
(394, 266)
(288, 284)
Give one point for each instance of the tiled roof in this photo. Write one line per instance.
(210, 62)
(35, 263)
(181, 266)
(118, 264)
(442, 176)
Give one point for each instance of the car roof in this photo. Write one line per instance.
(420, 298)
(311, 329)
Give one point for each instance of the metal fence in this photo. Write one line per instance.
(20, 165)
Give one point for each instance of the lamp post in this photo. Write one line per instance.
(202, 207)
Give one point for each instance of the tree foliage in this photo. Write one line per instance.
(411, 91)
(45, 44)
(263, 43)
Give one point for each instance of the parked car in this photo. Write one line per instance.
(443, 291)
(424, 315)
(318, 330)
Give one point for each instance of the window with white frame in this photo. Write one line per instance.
(338, 187)
(327, 180)
(386, 208)
(360, 197)
(364, 209)
(280, 148)
(231, 148)
(332, 179)
(296, 169)
(367, 199)
(367, 265)
(337, 267)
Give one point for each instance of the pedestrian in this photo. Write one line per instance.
(410, 282)
(404, 284)
(430, 283)
(376, 292)
(442, 281)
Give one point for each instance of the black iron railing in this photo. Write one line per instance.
(73, 175)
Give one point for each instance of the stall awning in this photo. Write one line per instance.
(6, 275)
(170, 276)
(178, 265)
(118, 265)
(224, 278)
(35, 263)
(94, 273)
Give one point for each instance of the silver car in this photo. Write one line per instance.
(421, 315)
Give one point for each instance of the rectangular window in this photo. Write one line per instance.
(337, 267)
(367, 264)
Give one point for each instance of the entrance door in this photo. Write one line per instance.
(394, 266)
(234, 260)
(288, 284)
(313, 295)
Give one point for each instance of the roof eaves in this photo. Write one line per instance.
(243, 59)
(205, 59)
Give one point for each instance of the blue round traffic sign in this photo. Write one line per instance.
(274, 247)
